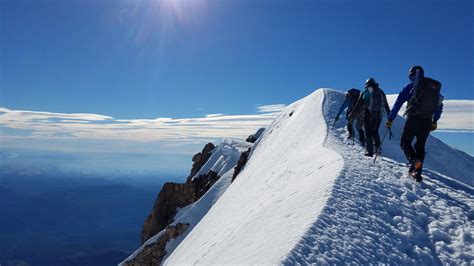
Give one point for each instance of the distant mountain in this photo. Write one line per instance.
(305, 194)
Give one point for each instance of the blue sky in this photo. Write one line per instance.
(147, 59)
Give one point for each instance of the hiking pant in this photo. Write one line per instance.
(371, 124)
(419, 128)
(359, 124)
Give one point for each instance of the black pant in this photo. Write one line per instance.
(372, 123)
(351, 130)
(358, 119)
(419, 128)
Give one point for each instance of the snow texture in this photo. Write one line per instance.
(222, 161)
(378, 214)
(308, 195)
(276, 197)
(224, 157)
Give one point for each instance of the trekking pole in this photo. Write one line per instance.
(384, 134)
(354, 108)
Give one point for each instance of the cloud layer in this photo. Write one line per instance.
(15, 124)
(31, 129)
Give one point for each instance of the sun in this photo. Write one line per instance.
(183, 11)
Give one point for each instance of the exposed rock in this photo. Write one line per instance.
(176, 195)
(203, 183)
(252, 138)
(244, 156)
(171, 197)
(154, 253)
(201, 158)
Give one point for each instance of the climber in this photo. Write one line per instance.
(424, 108)
(373, 100)
(354, 114)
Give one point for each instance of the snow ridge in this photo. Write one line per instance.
(276, 197)
(307, 195)
(222, 161)
(376, 214)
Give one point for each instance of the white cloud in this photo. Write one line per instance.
(458, 115)
(213, 115)
(19, 114)
(271, 108)
(20, 128)
(54, 126)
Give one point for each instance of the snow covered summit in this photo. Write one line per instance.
(307, 195)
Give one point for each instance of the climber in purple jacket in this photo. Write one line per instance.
(424, 108)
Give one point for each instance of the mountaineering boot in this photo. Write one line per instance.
(369, 154)
(418, 177)
(411, 171)
(415, 170)
(415, 167)
(418, 169)
(418, 165)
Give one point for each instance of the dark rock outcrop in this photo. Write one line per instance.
(171, 197)
(244, 156)
(252, 138)
(201, 158)
(154, 253)
(176, 195)
(203, 183)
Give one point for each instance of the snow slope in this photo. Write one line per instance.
(276, 197)
(222, 161)
(308, 196)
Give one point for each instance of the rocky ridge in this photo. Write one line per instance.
(160, 227)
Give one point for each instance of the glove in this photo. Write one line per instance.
(389, 123)
(434, 126)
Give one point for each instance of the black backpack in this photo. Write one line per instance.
(425, 99)
(376, 102)
(354, 94)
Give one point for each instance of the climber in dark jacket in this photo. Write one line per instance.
(424, 108)
(373, 99)
(354, 114)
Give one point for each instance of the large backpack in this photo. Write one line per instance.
(425, 99)
(376, 101)
(354, 95)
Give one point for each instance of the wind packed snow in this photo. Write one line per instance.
(275, 199)
(377, 214)
(222, 161)
(224, 157)
(308, 195)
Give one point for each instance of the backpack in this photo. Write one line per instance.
(376, 101)
(354, 94)
(425, 99)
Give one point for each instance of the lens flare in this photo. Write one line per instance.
(151, 21)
